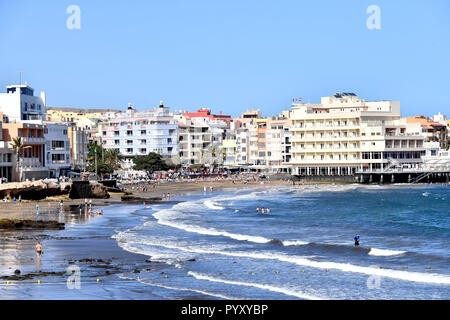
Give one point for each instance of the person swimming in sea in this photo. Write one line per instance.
(356, 238)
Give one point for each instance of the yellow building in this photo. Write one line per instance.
(229, 151)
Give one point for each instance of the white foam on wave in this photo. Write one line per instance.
(212, 205)
(206, 293)
(286, 291)
(384, 253)
(432, 278)
(168, 218)
(206, 231)
(288, 243)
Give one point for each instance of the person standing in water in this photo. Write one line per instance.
(356, 238)
(257, 210)
(39, 249)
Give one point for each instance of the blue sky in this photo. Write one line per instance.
(228, 55)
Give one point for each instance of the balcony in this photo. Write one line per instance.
(30, 164)
(58, 162)
(33, 140)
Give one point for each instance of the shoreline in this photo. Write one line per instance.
(87, 243)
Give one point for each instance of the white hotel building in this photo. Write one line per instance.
(136, 133)
(57, 148)
(344, 134)
(20, 104)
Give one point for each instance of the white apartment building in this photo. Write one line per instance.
(57, 148)
(20, 104)
(345, 133)
(136, 133)
(264, 143)
(242, 146)
(201, 141)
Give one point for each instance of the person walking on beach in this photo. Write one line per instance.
(38, 208)
(168, 196)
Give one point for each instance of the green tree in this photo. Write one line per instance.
(113, 158)
(92, 147)
(102, 168)
(151, 162)
(18, 146)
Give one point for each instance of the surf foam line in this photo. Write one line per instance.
(167, 217)
(384, 253)
(431, 278)
(206, 293)
(212, 231)
(285, 291)
(212, 205)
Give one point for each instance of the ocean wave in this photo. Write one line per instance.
(288, 243)
(206, 293)
(286, 291)
(431, 278)
(384, 253)
(210, 231)
(212, 205)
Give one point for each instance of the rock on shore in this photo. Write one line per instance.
(34, 190)
(9, 224)
(88, 189)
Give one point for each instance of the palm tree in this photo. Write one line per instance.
(17, 145)
(113, 158)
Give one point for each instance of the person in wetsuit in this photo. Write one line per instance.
(356, 238)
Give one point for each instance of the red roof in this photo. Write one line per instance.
(206, 113)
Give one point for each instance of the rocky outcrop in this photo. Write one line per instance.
(8, 224)
(34, 190)
(87, 190)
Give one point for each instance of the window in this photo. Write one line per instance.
(116, 142)
(57, 145)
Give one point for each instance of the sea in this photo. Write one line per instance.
(217, 245)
